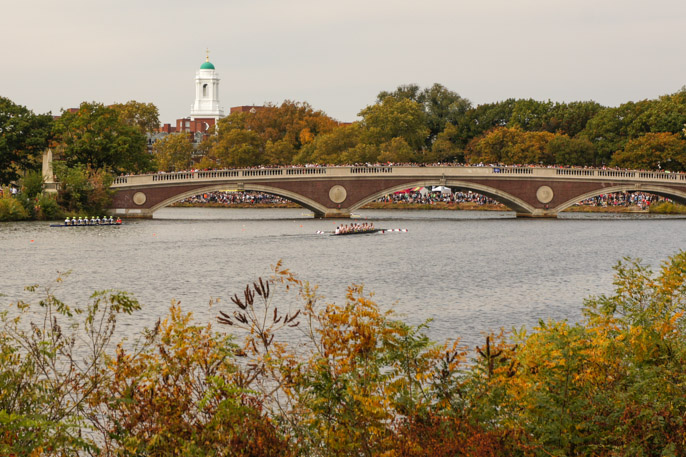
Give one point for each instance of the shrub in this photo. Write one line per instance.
(11, 208)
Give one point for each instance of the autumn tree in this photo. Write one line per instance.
(281, 130)
(173, 152)
(23, 138)
(511, 146)
(653, 151)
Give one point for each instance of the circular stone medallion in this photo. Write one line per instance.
(338, 194)
(544, 194)
(139, 198)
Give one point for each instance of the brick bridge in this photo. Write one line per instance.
(338, 191)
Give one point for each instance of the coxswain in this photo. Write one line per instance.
(118, 220)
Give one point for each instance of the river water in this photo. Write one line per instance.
(466, 271)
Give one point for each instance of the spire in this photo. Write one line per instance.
(207, 54)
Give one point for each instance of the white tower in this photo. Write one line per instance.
(206, 93)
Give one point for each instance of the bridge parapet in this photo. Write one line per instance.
(399, 171)
(337, 191)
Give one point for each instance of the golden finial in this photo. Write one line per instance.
(207, 55)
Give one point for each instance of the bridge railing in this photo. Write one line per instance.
(428, 172)
(306, 171)
(617, 173)
(173, 176)
(514, 170)
(217, 174)
(666, 176)
(366, 170)
(574, 172)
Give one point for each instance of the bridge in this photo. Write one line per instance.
(338, 191)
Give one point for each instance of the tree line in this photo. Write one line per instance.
(406, 125)
(288, 374)
(414, 125)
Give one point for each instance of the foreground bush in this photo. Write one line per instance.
(303, 377)
(11, 208)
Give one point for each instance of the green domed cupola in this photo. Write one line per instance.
(207, 65)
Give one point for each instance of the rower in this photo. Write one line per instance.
(80, 221)
(66, 221)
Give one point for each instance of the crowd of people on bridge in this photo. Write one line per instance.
(234, 198)
(423, 196)
(410, 164)
(640, 199)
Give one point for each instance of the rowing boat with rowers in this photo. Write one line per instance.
(361, 232)
(113, 224)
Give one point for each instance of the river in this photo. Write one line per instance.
(466, 271)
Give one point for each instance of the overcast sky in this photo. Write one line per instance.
(338, 55)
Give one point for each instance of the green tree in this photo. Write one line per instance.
(397, 150)
(145, 116)
(393, 118)
(83, 189)
(238, 148)
(571, 118)
(96, 136)
(173, 152)
(481, 119)
(446, 148)
(530, 115)
(571, 151)
(23, 138)
(331, 147)
(440, 105)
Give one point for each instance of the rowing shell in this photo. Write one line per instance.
(77, 225)
(363, 232)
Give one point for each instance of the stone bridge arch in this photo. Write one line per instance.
(301, 200)
(515, 204)
(673, 194)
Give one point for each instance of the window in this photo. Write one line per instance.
(204, 90)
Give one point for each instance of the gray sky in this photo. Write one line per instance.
(338, 55)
